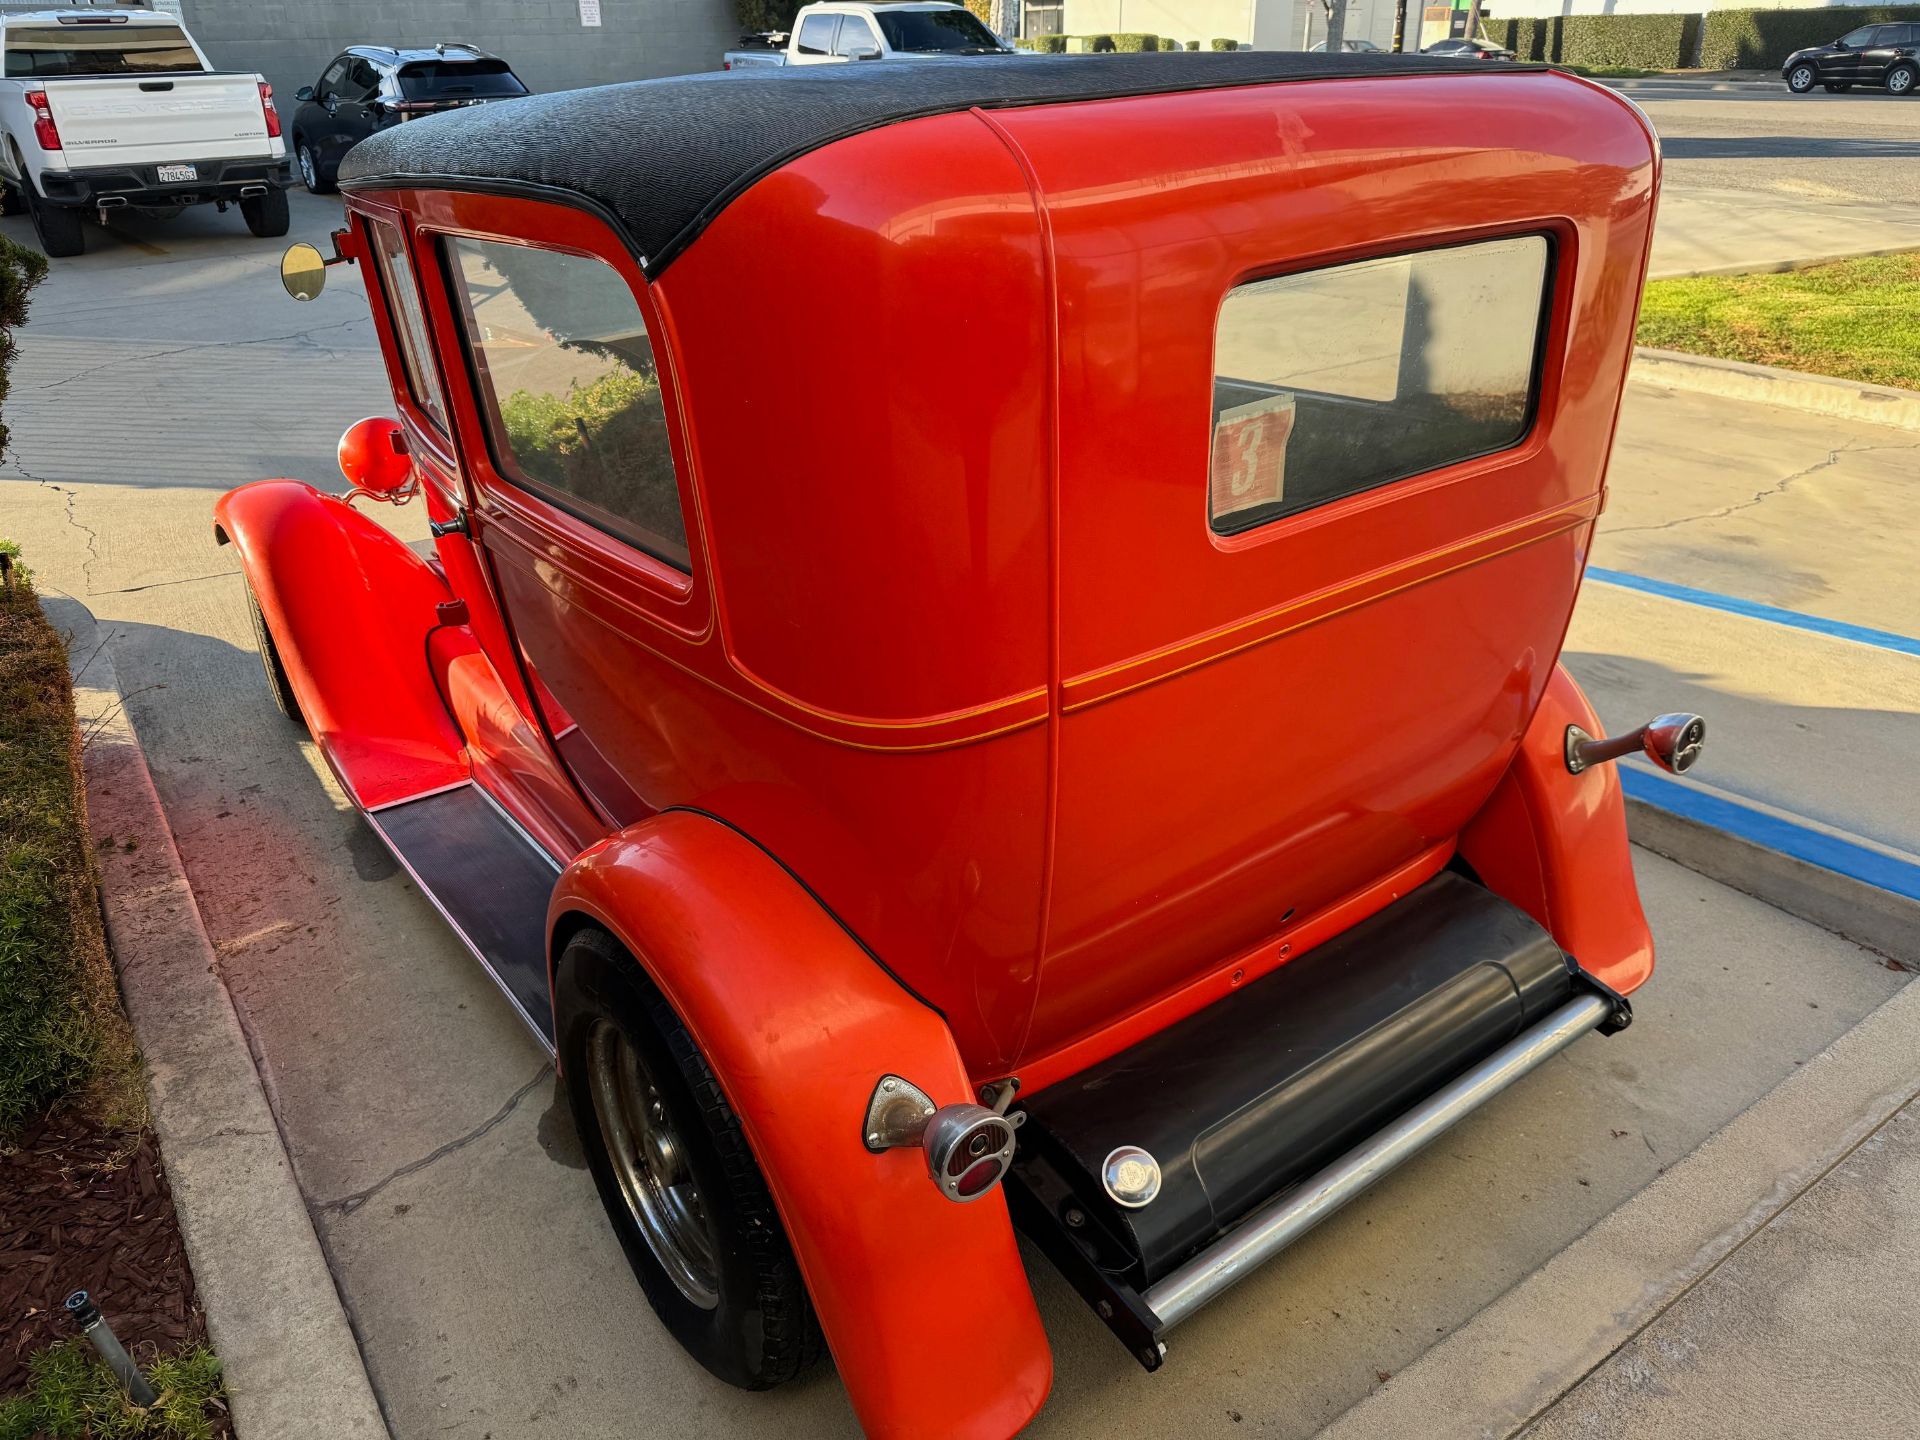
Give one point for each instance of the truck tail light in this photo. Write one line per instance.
(45, 133)
(268, 109)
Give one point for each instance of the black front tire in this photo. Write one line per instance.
(266, 215)
(284, 700)
(1801, 79)
(57, 227)
(314, 173)
(761, 1331)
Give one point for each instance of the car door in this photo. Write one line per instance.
(1876, 54)
(856, 39)
(1841, 65)
(314, 119)
(350, 116)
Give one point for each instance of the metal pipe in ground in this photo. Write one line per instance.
(92, 1324)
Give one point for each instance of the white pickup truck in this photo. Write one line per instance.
(833, 34)
(101, 108)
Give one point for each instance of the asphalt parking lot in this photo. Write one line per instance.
(488, 1295)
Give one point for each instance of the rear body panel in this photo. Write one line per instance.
(160, 119)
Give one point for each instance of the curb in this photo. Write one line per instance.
(1853, 908)
(292, 1367)
(1763, 384)
(1776, 267)
(1514, 1360)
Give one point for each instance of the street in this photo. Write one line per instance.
(488, 1294)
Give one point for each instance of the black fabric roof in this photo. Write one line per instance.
(662, 157)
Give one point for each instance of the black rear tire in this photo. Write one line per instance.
(284, 700)
(57, 227)
(761, 1330)
(1901, 78)
(266, 215)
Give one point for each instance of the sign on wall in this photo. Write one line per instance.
(590, 12)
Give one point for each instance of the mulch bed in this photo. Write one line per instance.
(78, 1212)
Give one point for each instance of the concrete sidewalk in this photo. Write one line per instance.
(1723, 232)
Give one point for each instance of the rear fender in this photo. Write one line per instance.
(924, 1301)
(349, 608)
(1555, 844)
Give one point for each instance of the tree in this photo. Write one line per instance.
(1336, 24)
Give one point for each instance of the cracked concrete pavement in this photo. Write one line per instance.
(485, 1289)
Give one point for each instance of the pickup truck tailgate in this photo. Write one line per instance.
(124, 119)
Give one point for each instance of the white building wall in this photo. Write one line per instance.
(1517, 9)
(1182, 20)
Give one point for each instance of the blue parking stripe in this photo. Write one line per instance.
(1754, 610)
(1815, 847)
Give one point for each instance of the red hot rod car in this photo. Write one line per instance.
(1064, 734)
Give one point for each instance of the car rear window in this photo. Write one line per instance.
(1334, 381)
(98, 50)
(920, 32)
(459, 80)
(570, 388)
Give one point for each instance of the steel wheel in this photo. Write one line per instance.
(1800, 79)
(1899, 80)
(306, 169)
(650, 1164)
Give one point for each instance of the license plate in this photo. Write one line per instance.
(169, 174)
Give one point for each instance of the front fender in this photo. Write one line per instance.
(349, 608)
(1555, 844)
(923, 1301)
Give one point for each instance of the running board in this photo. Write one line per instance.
(489, 880)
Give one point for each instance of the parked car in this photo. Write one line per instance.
(366, 88)
(837, 33)
(103, 109)
(1887, 55)
(1351, 47)
(1469, 50)
(888, 863)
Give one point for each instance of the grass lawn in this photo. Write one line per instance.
(1855, 319)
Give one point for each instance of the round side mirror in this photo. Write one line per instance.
(373, 457)
(305, 92)
(303, 270)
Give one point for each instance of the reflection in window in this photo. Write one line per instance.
(1334, 381)
(571, 391)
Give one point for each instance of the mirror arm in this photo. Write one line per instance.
(344, 248)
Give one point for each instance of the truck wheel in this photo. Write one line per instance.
(284, 700)
(57, 227)
(313, 174)
(266, 215)
(675, 1173)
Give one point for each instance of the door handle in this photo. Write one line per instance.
(439, 529)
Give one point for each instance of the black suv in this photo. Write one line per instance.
(1871, 55)
(369, 87)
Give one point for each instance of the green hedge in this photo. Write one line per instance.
(1640, 42)
(1223, 44)
(1132, 42)
(1762, 39)
(1045, 44)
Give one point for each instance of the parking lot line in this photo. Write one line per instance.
(1775, 830)
(1754, 610)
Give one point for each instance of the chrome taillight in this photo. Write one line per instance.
(968, 1147)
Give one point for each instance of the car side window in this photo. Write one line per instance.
(570, 388)
(330, 82)
(361, 82)
(816, 34)
(409, 321)
(1333, 381)
(855, 34)
(1858, 39)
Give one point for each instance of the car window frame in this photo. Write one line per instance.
(831, 19)
(439, 424)
(1539, 379)
(669, 601)
(840, 36)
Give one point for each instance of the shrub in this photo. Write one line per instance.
(1762, 39)
(20, 270)
(982, 11)
(1643, 42)
(1045, 44)
(1132, 42)
(1217, 44)
(71, 1393)
(1193, 44)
